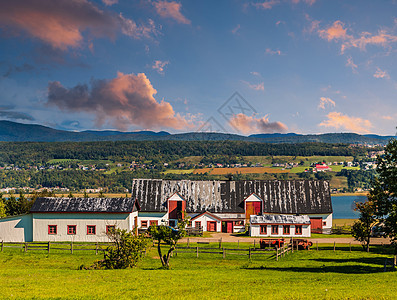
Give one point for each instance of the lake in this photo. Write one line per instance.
(343, 206)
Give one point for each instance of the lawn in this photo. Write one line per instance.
(300, 275)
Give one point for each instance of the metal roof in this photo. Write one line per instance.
(81, 205)
(279, 196)
(280, 219)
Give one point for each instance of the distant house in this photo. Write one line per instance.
(322, 168)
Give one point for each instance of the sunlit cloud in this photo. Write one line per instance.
(351, 64)
(266, 4)
(272, 52)
(257, 87)
(171, 10)
(61, 23)
(123, 101)
(110, 2)
(381, 74)
(159, 66)
(338, 121)
(250, 124)
(326, 102)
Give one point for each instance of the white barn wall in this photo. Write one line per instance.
(255, 231)
(81, 220)
(160, 217)
(16, 228)
(327, 218)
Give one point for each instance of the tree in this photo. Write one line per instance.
(170, 236)
(384, 191)
(2, 207)
(362, 228)
(70, 194)
(11, 204)
(85, 195)
(125, 251)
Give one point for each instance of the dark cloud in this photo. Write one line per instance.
(123, 101)
(15, 115)
(18, 69)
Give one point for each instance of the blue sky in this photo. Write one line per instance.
(304, 66)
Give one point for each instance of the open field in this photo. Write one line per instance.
(300, 275)
(179, 171)
(243, 170)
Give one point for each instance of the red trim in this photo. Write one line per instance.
(73, 232)
(197, 224)
(263, 229)
(280, 224)
(178, 195)
(211, 223)
(154, 222)
(208, 213)
(50, 231)
(90, 227)
(144, 222)
(110, 226)
(273, 232)
(78, 212)
(286, 228)
(296, 231)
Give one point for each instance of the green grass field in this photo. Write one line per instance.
(301, 275)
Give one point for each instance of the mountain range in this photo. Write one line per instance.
(18, 132)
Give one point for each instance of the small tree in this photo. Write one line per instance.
(362, 228)
(170, 236)
(70, 194)
(125, 252)
(2, 207)
(85, 195)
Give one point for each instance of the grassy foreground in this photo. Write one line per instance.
(301, 275)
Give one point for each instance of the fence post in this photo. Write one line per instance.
(276, 253)
(350, 246)
(395, 261)
(2, 246)
(223, 252)
(26, 247)
(71, 247)
(197, 251)
(48, 247)
(249, 253)
(188, 242)
(254, 244)
(334, 246)
(96, 248)
(220, 243)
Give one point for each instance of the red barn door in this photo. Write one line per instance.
(316, 225)
(211, 226)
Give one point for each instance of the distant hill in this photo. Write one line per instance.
(17, 132)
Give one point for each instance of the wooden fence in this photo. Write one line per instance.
(224, 251)
(48, 246)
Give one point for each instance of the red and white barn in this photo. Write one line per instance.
(280, 226)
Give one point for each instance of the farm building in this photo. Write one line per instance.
(228, 205)
(280, 225)
(70, 219)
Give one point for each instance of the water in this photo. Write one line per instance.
(343, 206)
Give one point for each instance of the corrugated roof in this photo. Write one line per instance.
(100, 205)
(288, 196)
(280, 219)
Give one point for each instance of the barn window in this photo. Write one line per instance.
(72, 229)
(144, 224)
(190, 224)
(298, 229)
(52, 229)
(324, 223)
(286, 229)
(110, 228)
(263, 229)
(197, 224)
(154, 222)
(274, 229)
(91, 229)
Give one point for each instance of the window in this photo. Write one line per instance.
(154, 222)
(239, 223)
(144, 224)
(263, 229)
(274, 229)
(172, 223)
(298, 229)
(286, 229)
(110, 228)
(52, 229)
(324, 223)
(198, 224)
(91, 229)
(72, 229)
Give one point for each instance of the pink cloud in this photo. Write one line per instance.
(266, 4)
(272, 52)
(160, 65)
(257, 87)
(338, 120)
(334, 32)
(326, 102)
(351, 64)
(250, 124)
(123, 101)
(110, 2)
(381, 74)
(171, 10)
(61, 23)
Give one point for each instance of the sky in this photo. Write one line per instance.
(234, 66)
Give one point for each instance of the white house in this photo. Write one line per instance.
(270, 225)
(70, 219)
